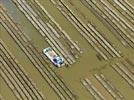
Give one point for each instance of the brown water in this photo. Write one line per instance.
(87, 64)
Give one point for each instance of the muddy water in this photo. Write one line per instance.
(85, 66)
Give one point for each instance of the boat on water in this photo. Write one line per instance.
(53, 57)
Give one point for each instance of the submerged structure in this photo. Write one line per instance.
(66, 49)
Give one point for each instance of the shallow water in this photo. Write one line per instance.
(86, 65)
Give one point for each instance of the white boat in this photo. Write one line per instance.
(54, 58)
